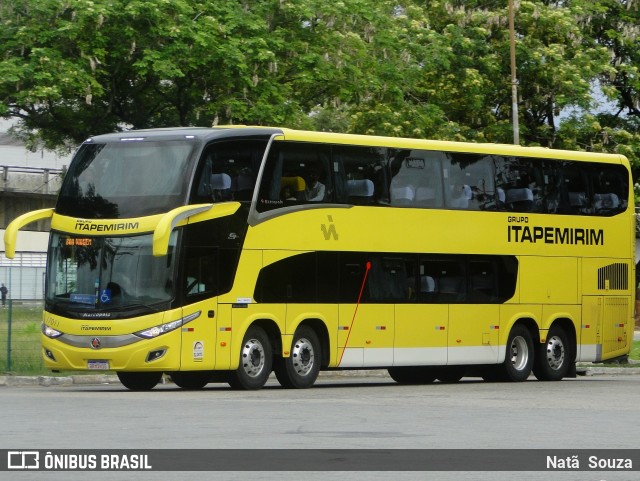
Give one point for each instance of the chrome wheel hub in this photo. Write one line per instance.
(253, 357)
(302, 356)
(519, 353)
(555, 353)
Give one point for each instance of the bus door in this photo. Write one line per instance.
(421, 321)
(200, 282)
(366, 328)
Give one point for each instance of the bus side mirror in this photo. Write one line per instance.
(11, 234)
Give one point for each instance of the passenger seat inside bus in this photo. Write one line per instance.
(428, 289)
(220, 186)
(296, 186)
(402, 196)
(451, 288)
(606, 202)
(426, 197)
(482, 288)
(519, 200)
(242, 185)
(360, 191)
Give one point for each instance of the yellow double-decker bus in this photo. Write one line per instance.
(225, 254)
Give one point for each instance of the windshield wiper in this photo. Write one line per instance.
(133, 306)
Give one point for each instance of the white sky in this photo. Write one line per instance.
(12, 155)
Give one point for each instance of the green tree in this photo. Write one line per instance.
(74, 68)
(440, 69)
(614, 25)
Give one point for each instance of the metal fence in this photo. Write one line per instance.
(20, 350)
(24, 275)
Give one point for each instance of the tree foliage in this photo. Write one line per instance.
(437, 69)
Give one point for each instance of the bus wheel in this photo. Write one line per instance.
(412, 375)
(139, 381)
(191, 379)
(300, 370)
(256, 359)
(553, 357)
(450, 375)
(519, 357)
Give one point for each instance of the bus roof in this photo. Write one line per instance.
(210, 133)
(176, 133)
(449, 146)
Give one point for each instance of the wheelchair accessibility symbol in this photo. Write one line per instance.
(105, 296)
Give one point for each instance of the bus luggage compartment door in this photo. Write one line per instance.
(605, 327)
(367, 336)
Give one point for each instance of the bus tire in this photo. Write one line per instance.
(412, 375)
(139, 381)
(191, 380)
(300, 370)
(256, 360)
(518, 361)
(553, 358)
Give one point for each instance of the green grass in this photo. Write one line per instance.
(25, 340)
(635, 351)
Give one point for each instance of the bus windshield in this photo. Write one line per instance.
(126, 179)
(97, 273)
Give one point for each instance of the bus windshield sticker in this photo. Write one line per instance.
(83, 298)
(105, 296)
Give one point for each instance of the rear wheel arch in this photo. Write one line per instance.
(569, 328)
(528, 323)
(271, 329)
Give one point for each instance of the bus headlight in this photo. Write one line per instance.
(49, 331)
(156, 331)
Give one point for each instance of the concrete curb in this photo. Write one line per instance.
(58, 380)
(98, 379)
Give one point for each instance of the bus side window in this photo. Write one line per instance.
(361, 175)
(220, 186)
(360, 191)
(451, 281)
(203, 190)
(522, 182)
(287, 175)
(552, 185)
(611, 187)
(227, 171)
(470, 182)
(482, 281)
(293, 188)
(388, 281)
(242, 184)
(352, 272)
(575, 195)
(200, 269)
(428, 287)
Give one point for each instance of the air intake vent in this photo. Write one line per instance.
(616, 274)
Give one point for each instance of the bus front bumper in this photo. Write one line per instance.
(158, 354)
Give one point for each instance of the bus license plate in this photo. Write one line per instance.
(98, 365)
